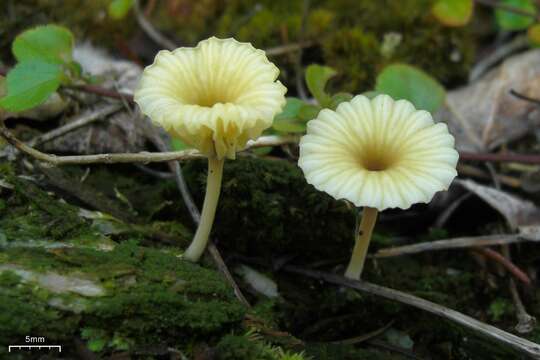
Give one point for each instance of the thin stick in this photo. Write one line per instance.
(497, 55)
(518, 158)
(101, 91)
(506, 263)
(524, 97)
(142, 157)
(80, 121)
(448, 244)
(522, 345)
(287, 48)
(150, 30)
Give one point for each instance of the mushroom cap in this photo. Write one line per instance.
(378, 153)
(214, 97)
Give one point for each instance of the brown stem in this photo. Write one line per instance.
(518, 158)
(508, 265)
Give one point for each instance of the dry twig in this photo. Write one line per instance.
(448, 244)
(522, 345)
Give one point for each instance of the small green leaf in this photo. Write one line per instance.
(290, 110)
(289, 126)
(453, 12)
(51, 43)
(262, 151)
(317, 77)
(508, 20)
(402, 81)
(29, 84)
(179, 145)
(533, 35)
(309, 112)
(118, 9)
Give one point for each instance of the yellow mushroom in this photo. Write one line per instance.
(214, 97)
(377, 154)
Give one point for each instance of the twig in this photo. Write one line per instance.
(501, 52)
(471, 171)
(141, 157)
(214, 252)
(522, 345)
(506, 263)
(98, 90)
(526, 322)
(524, 97)
(150, 30)
(288, 48)
(518, 158)
(364, 337)
(78, 122)
(448, 244)
(298, 60)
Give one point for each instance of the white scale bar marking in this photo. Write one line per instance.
(59, 347)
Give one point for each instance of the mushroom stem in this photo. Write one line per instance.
(363, 236)
(213, 188)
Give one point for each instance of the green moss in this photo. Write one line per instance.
(233, 347)
(358, 51)
(152, 297)
(348, 352)
(92, 23)
(267, 208)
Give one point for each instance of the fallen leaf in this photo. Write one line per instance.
(484, 115)
(519, 213)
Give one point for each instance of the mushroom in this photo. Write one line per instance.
(377, 154)
(214, 97)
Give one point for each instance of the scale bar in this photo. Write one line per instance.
(59, 347)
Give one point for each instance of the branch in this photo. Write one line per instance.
(142, 157)
(522, 345)
(524, 97)
(517, 158)
(448, 244)
(506, 263)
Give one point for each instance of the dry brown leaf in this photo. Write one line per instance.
(484, 115)
(520, 214)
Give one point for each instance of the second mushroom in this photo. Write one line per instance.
(378, 154)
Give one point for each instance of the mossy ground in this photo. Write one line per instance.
(354, 36)
(267, 212)
(151, 297)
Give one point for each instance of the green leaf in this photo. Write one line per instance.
(309, 112)
(508, 20)
(51, 43)
(179, 145)
(316, 78)
(290, 110)
(402, 81)
(453, 12)
(118, 9)
(533, 34)
(289, 126)
(29, 84)
(262, 151)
